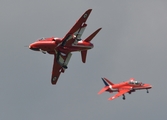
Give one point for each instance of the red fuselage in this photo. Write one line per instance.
(51, 45)
(129, 85)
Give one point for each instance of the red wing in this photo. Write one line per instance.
(56, 71)
(77, 30)
(121, 92)
(57, 68)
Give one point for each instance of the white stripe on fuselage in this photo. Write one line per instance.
(113, 90)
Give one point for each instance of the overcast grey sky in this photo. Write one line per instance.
(132, 43)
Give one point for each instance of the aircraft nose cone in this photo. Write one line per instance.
(33, 47)
(30, 47)
(148, 86)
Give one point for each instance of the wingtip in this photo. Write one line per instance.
(100, 28)
(111, 98)
(89, 9)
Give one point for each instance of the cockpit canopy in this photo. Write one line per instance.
(42, 39)
(50, 39)
(135, 82)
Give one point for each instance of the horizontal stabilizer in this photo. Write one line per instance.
(103, 89)
(88, 39)
(83, 55)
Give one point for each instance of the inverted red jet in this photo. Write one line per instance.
(61, 48)
(123, 87)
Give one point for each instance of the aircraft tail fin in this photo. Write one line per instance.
(88, 39)
(83, 55)
(107, 85)
(105, 80)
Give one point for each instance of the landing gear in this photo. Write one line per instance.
(147, 91)
(44, 52)
(64, 66)
(60, 58)
(123, 97)
(133, 90)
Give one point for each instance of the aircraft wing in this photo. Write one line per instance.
(77, 30)
(121, 92)
(57, 68)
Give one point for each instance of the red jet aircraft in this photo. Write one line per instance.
(61, 48)
(123, 87)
